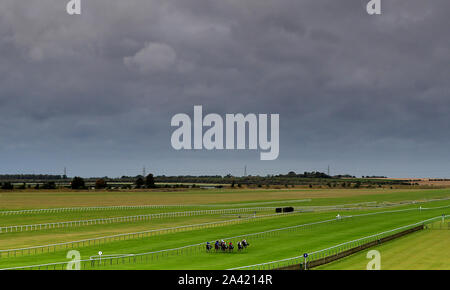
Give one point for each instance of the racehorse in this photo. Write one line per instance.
(223, 245)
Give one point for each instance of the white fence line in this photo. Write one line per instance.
(174, 229)
(378, 235)
(331, 250)
(199, 246)
(145, 217)
(183, 247)
(164, 206)
(127, 207)
(82, 209)
(371, 205)
(141, 234)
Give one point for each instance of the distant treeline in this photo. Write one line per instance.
(31, 177)
(313, 178)
(292, 178)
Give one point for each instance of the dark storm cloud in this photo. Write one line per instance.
(367, 94)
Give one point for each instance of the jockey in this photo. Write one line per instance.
(223, 246)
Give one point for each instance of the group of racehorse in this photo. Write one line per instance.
(222, 245)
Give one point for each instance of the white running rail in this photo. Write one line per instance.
(136, 218)
(331, 250)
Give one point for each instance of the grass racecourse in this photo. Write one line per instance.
(169, 230)
(425, 250)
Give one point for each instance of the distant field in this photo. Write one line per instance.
(424, 250)
(395, 207)
(50, 199)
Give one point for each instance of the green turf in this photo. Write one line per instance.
(264, 248)
(28, 219)
(54, 199)
(424, 250)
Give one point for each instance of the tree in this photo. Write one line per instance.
(77, 183)
(291, 174)
(100, 183)
(7, 185)
(150, 181)
(49, 185)
(139, 182)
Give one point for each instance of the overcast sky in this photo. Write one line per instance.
(367, 95)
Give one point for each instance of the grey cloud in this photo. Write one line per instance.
(351, 89)
(152, 57)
